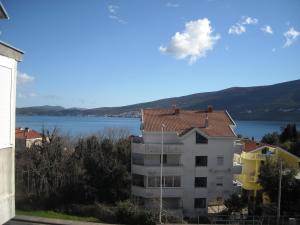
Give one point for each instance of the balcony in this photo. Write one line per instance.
(156, 148)
(238, 147)
(237, 168)
(155, 170)
(257, 156)
(248, 181)
(237, 164)
(155, 192)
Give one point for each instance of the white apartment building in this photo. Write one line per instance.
(9, 57)
(197, 161)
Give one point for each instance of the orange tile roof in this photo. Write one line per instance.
(218, 121)
(26, 133)
(250, 145)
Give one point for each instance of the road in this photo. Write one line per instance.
(13, 222)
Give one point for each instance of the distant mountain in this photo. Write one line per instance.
(273, 102)
(39, 110)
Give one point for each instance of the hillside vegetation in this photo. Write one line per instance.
(273, 102)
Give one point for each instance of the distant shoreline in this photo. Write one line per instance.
(118, 116)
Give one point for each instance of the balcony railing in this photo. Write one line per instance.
(156, 148)
(155, 170)
(249, 181)
(157, 164)
(155, 192)
(257, 156)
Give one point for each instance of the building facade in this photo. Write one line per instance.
(9, 57)
(197, 161)
(26, 137)
(253, 156)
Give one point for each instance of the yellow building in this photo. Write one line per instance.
(253, 156)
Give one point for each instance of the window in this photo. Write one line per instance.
(164, 159)
(152, 182)
(200, 181)
(137, 159)
(219, 181)
(200, 203)
(200, 139)
(201, 160)
(167, 181)
(177, 182)
(220, 160)
(138, 180)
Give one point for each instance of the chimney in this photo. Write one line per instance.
(176, 110)
(210, 109)
(206, 121)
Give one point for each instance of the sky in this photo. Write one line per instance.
(98, 53)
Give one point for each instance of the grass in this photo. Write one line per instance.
(56, 215)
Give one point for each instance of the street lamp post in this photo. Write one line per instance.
(279, 194)
(161, 170)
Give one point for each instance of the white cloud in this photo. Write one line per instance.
(114, 13)
(24, 95)
(237, 29)
(249, 20)
(24, 78)
(113, 9)
(172, 5)
(291, 36)
(240, 27)
(193, 42)
(267, 29)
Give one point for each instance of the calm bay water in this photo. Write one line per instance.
(75, 125)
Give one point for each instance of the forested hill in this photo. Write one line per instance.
(273, 102)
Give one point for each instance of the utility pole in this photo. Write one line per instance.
(279, 193)
(161, 170)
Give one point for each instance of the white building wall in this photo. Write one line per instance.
(215, 147)
(188, 170)
(8, 72)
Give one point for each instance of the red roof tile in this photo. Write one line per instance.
(218, 121)
(250, 145)
(26, 133)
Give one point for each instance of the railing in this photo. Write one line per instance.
(158, 164)
(257, 156)
(253, 156)
(154, 192)
(249, 182)
(155, 170)
(156, 148)
(235, 219)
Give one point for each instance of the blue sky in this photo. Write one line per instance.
(94, 53)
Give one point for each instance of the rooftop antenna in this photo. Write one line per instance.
(206, 121)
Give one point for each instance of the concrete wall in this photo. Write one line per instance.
(8, 68)
(7, 186)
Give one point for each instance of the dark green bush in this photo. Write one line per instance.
(128, 213)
